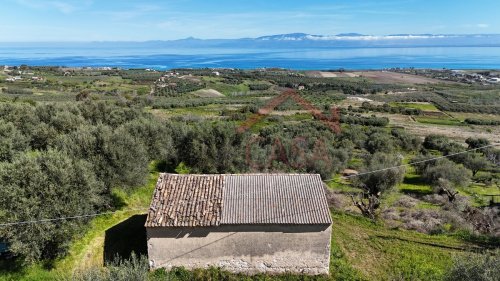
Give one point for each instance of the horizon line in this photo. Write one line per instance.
(340, 35)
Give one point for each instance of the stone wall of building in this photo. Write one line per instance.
(246, 249)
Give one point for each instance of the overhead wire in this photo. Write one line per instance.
(145, 209)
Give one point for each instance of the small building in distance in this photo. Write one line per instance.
(242, 223)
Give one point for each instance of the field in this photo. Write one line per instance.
(425, 106)
(394, 78)
(142, 122)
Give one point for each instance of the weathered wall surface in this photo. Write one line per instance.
(243, 248)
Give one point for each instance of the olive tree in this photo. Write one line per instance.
(448, 170)
(381, 173)
(475, 162)
(45, 185)
(475, 267)
(117, 158)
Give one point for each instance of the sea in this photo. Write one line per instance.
(162, 58)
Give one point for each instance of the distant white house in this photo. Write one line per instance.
(13, 79)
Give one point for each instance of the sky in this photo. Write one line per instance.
(135, 20)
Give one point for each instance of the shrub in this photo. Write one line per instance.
(446, 169)
(45, 185)
(475, 267)
(133, 269)
(259, 87)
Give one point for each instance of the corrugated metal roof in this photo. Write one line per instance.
(210, 200)
(186, 200)
(274, 199)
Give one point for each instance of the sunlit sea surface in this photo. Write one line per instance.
(246, 58)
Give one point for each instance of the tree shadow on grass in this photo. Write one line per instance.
(415, 192)
(125, 238)
(415, 186)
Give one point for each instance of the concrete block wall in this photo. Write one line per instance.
(248, 249)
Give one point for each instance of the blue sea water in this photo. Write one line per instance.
(247, 58)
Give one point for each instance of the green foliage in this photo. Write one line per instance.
(448, 101)
(446, 169)
(475, 162)
(367, 121)
(133, 269)
(17, 91)
(117, 158)
(208, 148)
(474, 121)
(436, 142)
(475, 267)
(259, 87)
(157, 137)
(42, 186)
(176, 87)
(12, 141)
(406, 141)
(476, 142)
(379, 142)
(367, 107)
(385, 179)
(182, 169)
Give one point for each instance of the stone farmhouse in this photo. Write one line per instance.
(242, 223)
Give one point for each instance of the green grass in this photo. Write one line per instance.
(200, 111)
(227, 89)
(413, 184)
(464, 115)
(340, 184)
(421, 106)
(439, 121)
(378, 253)
(482, 189)
(477, 192)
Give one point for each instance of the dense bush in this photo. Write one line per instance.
(45, 185)
(17, 91)
(367, 121)
(134, 269)
(446, 169)
(475, 267)
(62, 160)
(473, 121)
(259, 87)
(366, 106)
(176, 87)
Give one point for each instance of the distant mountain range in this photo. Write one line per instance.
(304, 40)
(353, 36)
